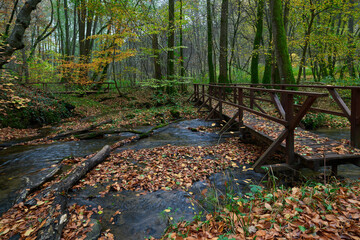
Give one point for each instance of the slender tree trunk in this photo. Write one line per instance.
(157, 65)
(223, 74)
(67, 27)
(182, 69)
(11, 18)
(210, 43)
(268, 62)
(257, 41)
(307, 41)
(351, 46)
(74, 30)
(61, 34)
(281, 48)
(286, 15)
(171, 41)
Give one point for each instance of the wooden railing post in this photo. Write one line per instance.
(241, 103)
(252, 98)
(221, 100)
(203, 93)
(288, 100)
(235, 93)
(355, 117)
(196, 92)
(210, 91)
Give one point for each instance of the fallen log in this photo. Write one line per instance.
(31, 187)
(77, 132)
(53, 226)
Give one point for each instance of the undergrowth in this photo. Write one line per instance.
(313, 210)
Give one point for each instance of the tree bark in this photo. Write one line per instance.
(223, 74)
(257, 41)
(351, 45)
(157, 65)
(171, 41)
(182, 68)
(15, 41)
(210, 43)
(280, 41)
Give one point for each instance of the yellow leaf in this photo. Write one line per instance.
(268, 207)
(28, 232)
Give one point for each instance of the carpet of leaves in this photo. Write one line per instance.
(168, 167)
(25, 220)
(309, 212)
(7, 134)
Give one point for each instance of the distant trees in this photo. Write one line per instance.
(88, 41)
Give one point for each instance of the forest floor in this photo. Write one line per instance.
(314, 210)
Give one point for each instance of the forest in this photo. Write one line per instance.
(179, 119)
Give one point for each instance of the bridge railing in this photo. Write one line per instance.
(292, 106)
(348, 106)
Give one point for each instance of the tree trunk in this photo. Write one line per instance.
(171, 41)
(15, 41)
(223, 77)
(210, 43)
(67, 27)
(182, 69)
(307, 41)
(156, 51)
(351, 46)
(257, 40)
(281, 48)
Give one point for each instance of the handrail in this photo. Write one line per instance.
(289, 85)
(271, 90)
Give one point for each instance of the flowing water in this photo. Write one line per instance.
(140, 215)
(18, 162)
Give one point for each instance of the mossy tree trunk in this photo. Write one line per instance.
(280, 42)
(258, 35)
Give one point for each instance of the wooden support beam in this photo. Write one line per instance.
(203, 104)
(271, 149)
(258, 106)
(340, 102)
(278, 105)
(212, 111)
(229, 123)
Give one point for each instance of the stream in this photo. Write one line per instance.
(20, 162)
(141, 214)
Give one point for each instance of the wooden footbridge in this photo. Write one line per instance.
(273, 114)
